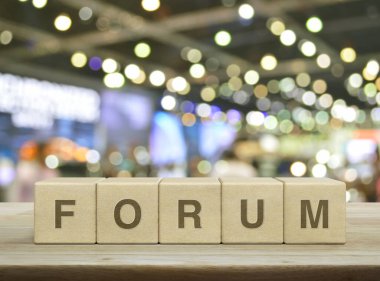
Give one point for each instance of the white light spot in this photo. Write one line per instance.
(62, 22)
(288, 37)
(92, 156)
(168, 102)
(298, 169)
(114, 80)
(222, 38)
(157, 78)
(246, 11)
(51, 161)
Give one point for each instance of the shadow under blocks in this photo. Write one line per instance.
(190, 211)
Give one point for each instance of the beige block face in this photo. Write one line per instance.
(65, 211)
(252, 210)
(127, 211)
(314, 211)
(190, 211)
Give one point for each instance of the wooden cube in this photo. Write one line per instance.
(65, 211)
(190, 211)
(252, 210)
(314, 211)
(127, 210)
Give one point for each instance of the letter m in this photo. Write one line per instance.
(323, 208)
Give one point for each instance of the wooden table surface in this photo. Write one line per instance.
(358, 259)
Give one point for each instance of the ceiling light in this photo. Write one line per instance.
(288, 37)
(62, 22)
(323, 61)
(140, 78)
(203, 110)
(270, 122)
(222, 38)
(251, 77)
(314, 24)
(168, 102)
(233, 70)
(197, 70)
(372, 67)
(268, 62)
(142, 50)
(114, 80)
(109, 65)
(179, 84)
(208, 94)
(355, 80)
(6, 37)
(319, 171)
(276, 26)
(303, 79)
(95, 63)
(150, 5)
(298, 169)
(319, 86)
(308, 48)
(255, 118)
(78, 59)
(157, 78)
(85, 13)
(132, 71)
(52, 161)
(348, 55)
(39, 4)
(309, 98)
(194, 55)
(367, 76)
(246, 11)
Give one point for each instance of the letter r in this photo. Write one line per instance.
(195, 214)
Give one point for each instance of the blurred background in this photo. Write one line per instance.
(175, 88)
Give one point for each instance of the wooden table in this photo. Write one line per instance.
(20, 259)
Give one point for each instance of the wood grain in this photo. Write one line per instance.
(358, 259)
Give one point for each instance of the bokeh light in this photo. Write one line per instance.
(222, 38)
(142, 50)
(79, 59)
(348, 55)
(150, 5)
(157, 78)
(268, 62)
(298, 169)
(62, 22)
(246, 11)
(314, 24)
(114, 80)
(288, 37)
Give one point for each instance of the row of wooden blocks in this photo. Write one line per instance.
(189, 211)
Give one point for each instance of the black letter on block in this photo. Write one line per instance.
(135, 206)
(59, 213)
(306, 207)
(260, 214)
(195, 214)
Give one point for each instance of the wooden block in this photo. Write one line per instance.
(127, 211)
(65, 211)
(190, 211)
(252, 210)
(314, 211)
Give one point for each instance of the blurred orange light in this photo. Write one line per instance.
(80, 154)
(378, 83)
(28, 151)
(188, 119)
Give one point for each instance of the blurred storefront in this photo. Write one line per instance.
(244, 91)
